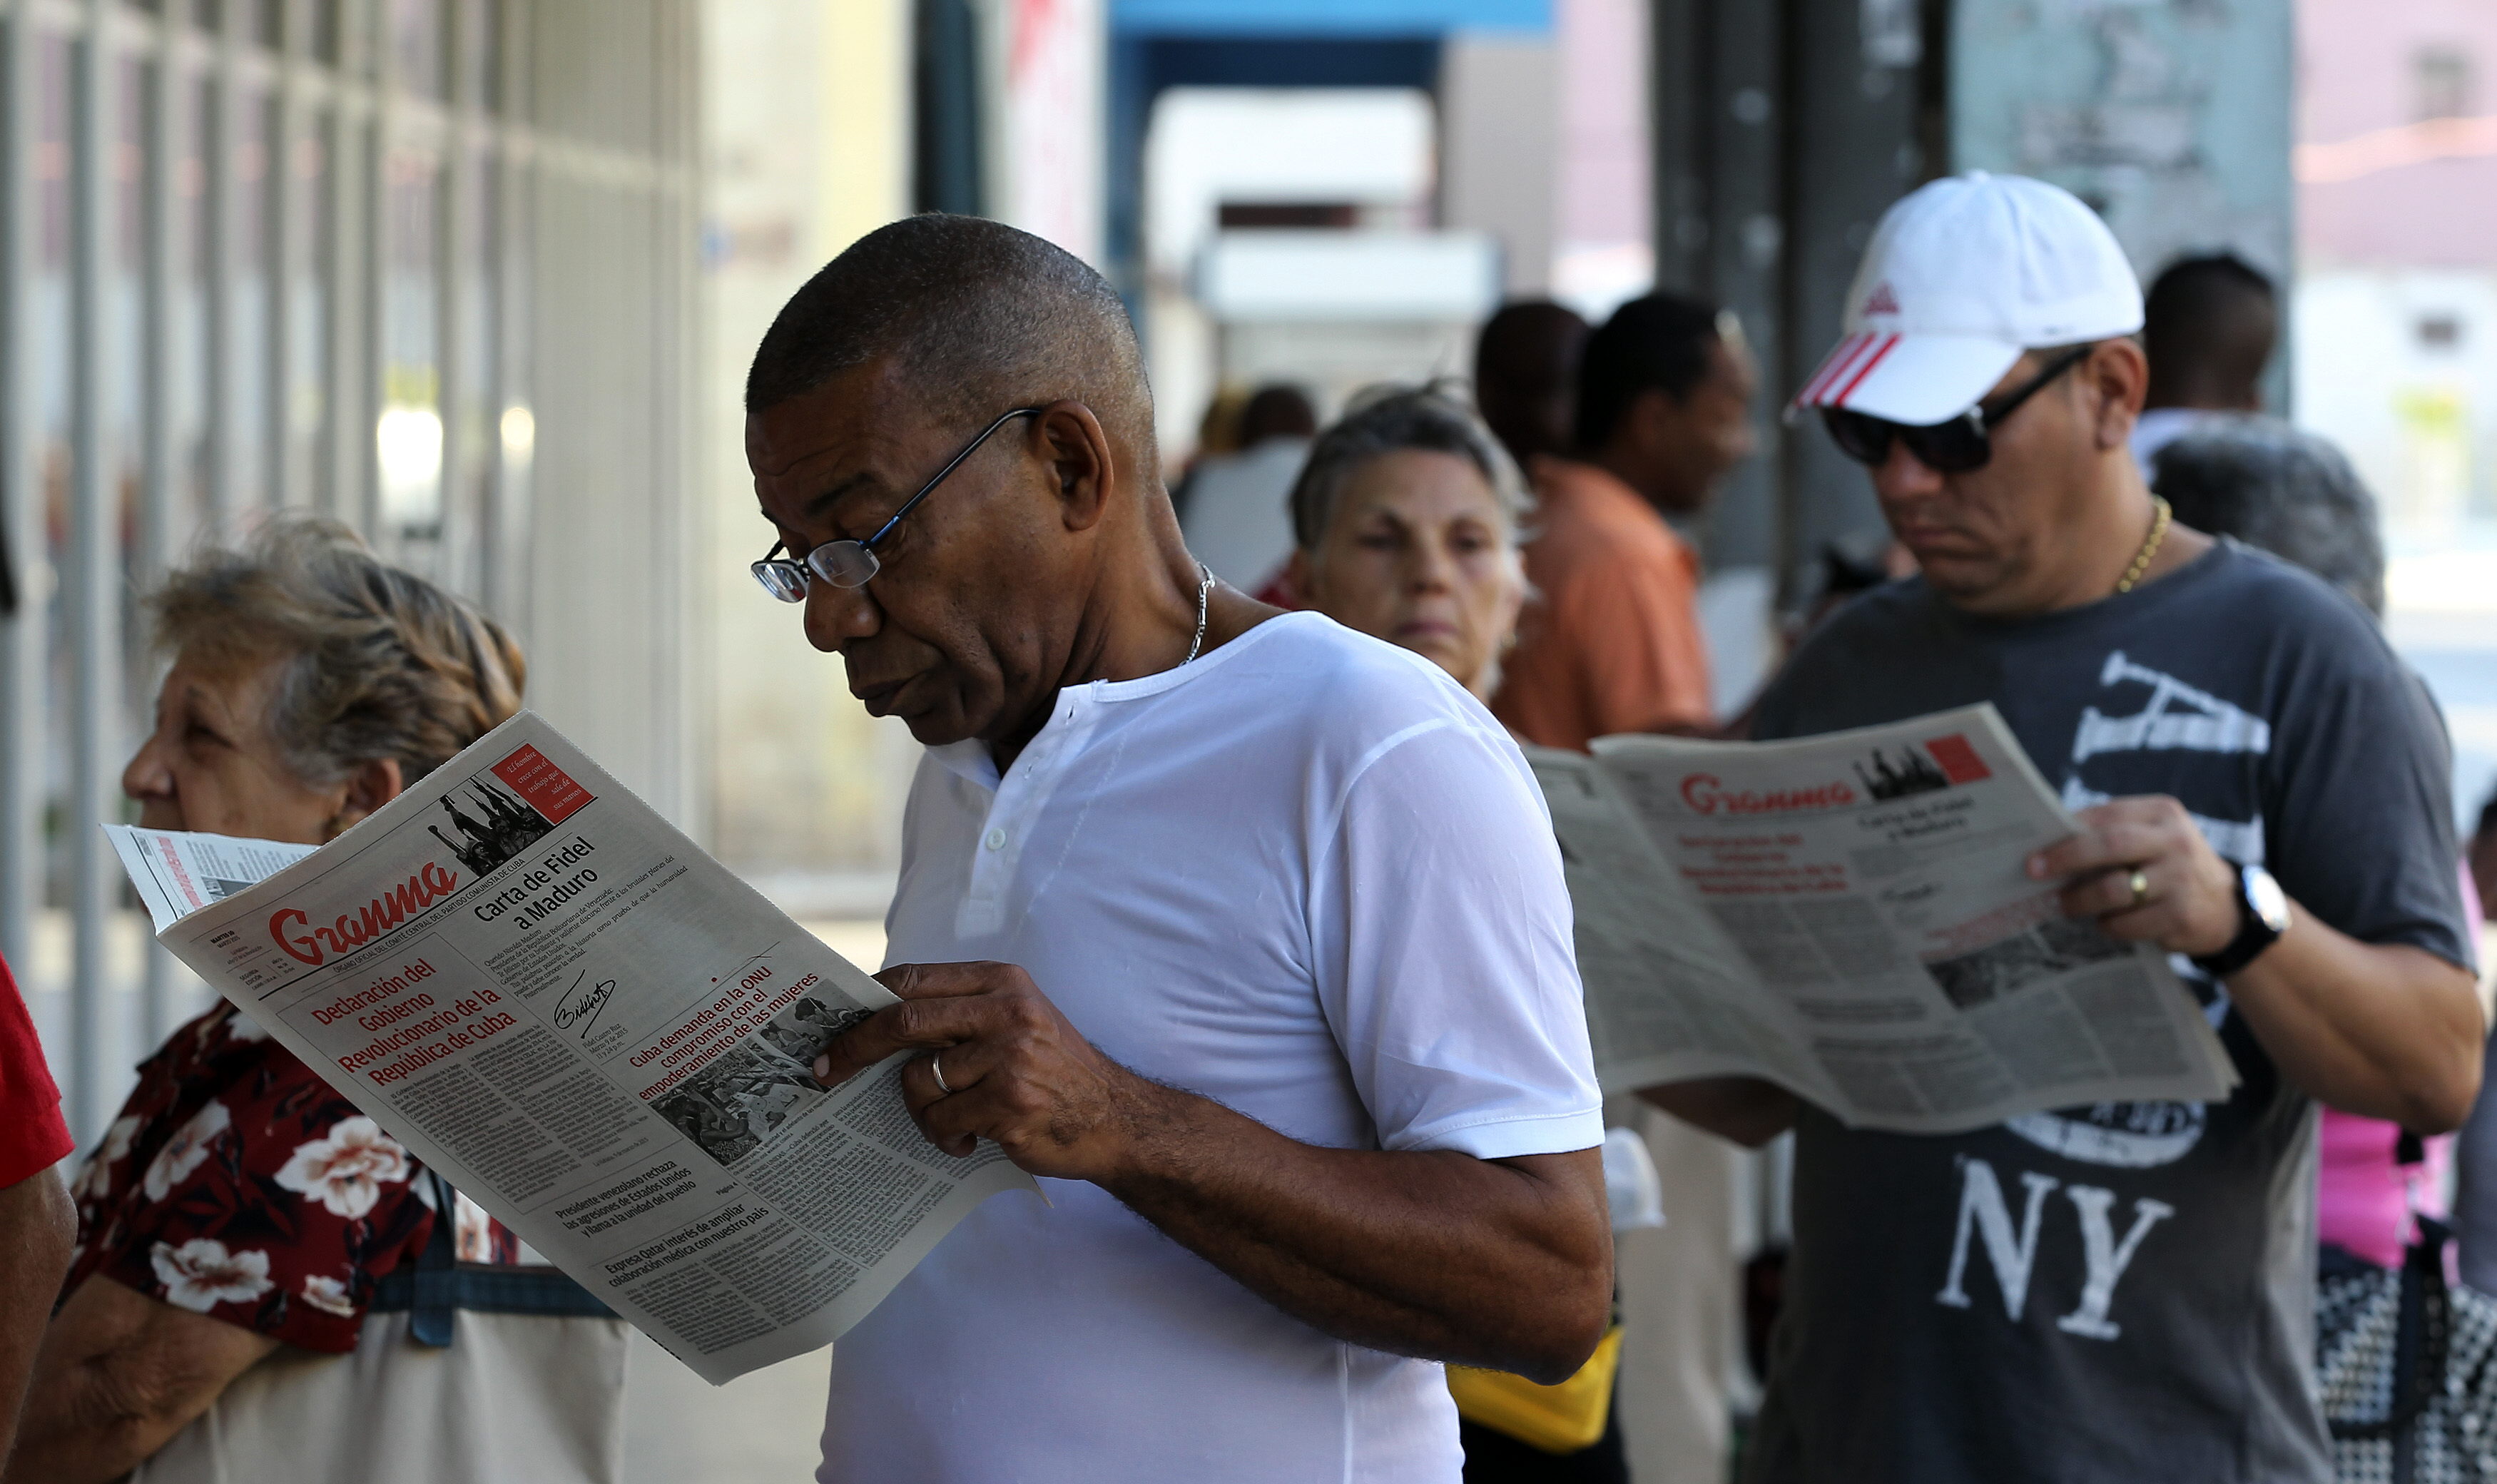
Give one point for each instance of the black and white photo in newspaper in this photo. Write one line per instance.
(596, 1031)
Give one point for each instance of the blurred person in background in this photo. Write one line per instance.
(37, 1223)
(1217, 432)
(1526, 378)
(2280, 489)
(2123, 1291)
(2209, 327)
(2483, 861)
(1406, 517)
(243, 1302)
(1612, 642)
(2474, 1196)
(1236, 519)
(1848, 569)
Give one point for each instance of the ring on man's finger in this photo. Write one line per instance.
(936, 1069)
(2140, 884)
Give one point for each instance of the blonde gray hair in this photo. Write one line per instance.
(1384, 420)
(376, 662)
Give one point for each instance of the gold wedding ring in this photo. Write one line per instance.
(937, 1070)
(2139, 883)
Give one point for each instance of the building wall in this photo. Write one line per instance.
(1499, 149)
(2396, 308)
(421, 266)
(1601, 219)
(2398, 366)
(2379, 181)
(2169, 119)
(806, 141)
(613, 627)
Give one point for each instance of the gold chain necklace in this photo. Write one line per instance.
(2149, 548)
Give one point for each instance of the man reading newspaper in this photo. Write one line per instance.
(1280, 996)
(2123, 1291)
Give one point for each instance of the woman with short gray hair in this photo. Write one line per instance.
(243, 1303)
(2286, 490)
(1405, 519)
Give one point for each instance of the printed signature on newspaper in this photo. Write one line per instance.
(582, 1007)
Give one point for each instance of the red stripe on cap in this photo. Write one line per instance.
(1889, 344)
(1833, 367)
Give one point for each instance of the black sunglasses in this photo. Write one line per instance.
(1964, 443)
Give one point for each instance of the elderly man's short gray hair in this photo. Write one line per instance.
(376, 663)
(2288, 492)
(1391, 419)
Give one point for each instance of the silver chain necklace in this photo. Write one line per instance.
(1204, 589)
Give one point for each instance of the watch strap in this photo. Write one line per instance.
(2253, 936)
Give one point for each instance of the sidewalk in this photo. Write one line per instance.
(761, 1427)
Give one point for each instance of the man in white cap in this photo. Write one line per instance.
(2120, 1292)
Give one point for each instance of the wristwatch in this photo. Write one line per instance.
(2263, 916)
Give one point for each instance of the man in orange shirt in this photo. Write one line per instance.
(1613, 643)
(1526, 377)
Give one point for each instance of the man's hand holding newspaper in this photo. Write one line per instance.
(2187, 897)
(1855, 918)
(1004, 1064)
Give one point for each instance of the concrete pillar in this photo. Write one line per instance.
(1499, 141)
(2173, 120)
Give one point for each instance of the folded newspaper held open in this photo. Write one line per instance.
(592, 1029)
(1849, 916)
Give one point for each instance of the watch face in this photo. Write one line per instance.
(2270, 901)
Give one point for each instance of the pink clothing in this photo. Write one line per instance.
(2359, 1203)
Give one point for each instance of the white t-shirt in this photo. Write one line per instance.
(1238, 518)
(1306, 876)
(2159, 427)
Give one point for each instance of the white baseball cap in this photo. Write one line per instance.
(1962, 275)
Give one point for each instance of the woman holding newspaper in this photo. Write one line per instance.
(245, 1301)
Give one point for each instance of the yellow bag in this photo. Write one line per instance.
(1557, 1419)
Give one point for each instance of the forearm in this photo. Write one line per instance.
(1498, 1262)
(118, 1374)
(1431, 1253)
(37, 1225)
(2382, 1031)
(1750, 1111)
(81, 1428)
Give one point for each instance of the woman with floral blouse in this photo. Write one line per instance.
(243, 1302)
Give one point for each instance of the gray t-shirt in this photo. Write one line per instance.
(2126, 1291)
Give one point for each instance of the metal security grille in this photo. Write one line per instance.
(311, 253)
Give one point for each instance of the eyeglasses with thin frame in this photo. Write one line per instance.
(1964, 443)
(854, 563)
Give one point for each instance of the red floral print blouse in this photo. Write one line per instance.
(238, 1184)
